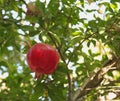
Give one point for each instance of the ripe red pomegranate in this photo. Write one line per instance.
(42, 59)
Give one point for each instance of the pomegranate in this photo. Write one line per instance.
(32, 10)
(42, 59)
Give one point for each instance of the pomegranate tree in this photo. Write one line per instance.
(42, 59)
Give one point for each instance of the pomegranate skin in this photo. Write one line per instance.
(42, 58)
(32, 10)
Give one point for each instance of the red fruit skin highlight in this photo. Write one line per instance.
(42, 58)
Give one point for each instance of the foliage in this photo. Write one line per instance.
(86, 38)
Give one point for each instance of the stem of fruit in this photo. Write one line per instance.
(28, 41)
(68, 74)
(28, 44)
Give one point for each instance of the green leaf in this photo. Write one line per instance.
(57, 38)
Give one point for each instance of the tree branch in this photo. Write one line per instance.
(63, 59)
(93, 81)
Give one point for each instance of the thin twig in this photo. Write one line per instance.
(76, 48)
(24, 2)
